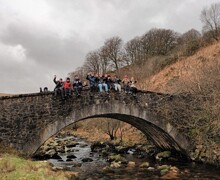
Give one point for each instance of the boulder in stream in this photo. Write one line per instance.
(145, 165)
(56, 156)
(116, 157)
(71, 156)
(71, 145)
(163, 155)
(68, 160)
(87, 160)
(115, 164)
(121, 149)
(77, 164)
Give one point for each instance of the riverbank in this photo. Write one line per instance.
(105, 160)
(79, 159)
(14, 166)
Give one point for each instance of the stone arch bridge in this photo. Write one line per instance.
(28, 120)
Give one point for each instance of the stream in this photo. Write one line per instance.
(92, 165)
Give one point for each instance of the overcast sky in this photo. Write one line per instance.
(41, 38)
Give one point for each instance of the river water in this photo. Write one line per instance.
(97, 167)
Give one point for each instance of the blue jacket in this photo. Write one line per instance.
(92, 80)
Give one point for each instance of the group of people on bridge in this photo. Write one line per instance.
(97, 83)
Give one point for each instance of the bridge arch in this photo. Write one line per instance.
(160, 132)
(28, 120)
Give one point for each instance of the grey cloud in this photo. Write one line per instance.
(85, 25)
(47, 49)
(49, 54)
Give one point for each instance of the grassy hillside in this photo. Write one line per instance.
(199, 75)
(188, 74)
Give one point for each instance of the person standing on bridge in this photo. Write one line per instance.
(59, 87)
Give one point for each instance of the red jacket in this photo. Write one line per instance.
(67, 85)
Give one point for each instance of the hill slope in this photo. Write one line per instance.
(198, 74)
(3, 94)
(194, 70)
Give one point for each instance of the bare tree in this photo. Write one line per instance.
(190, 35)
(133, 51)
(210, 18)
(159, 41)
(114, 51)
(92, 62)
(80, 71)
(110, 127)
(104, 59)
(190, 42)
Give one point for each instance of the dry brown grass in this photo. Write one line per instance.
(7, 167)
(199, 75)
(5, 94)
(5, 149)
(187, 71)
(130, 135)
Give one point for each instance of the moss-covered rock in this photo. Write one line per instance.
(163, 155)
(116, 157)
(163, 167)
(145, 165)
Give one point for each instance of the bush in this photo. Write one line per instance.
(192, 47)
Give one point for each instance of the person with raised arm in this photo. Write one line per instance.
(59, 86)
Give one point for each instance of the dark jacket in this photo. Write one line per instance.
(116, 81)
(58, 83)
(102, 80)
(77, 83)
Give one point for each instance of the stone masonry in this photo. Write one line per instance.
(28, 120)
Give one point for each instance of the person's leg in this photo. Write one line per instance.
(135, 90)
(116, 87)
(129, 89)
(126, 89)
(62, 92)
(79, 90)
(55, 92)
(119, 87)
(100, 87)
(76, 90)
(68, 92)
(91, 88)
(106, 87)
(65, 91)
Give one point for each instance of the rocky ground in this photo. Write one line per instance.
(115, 154)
